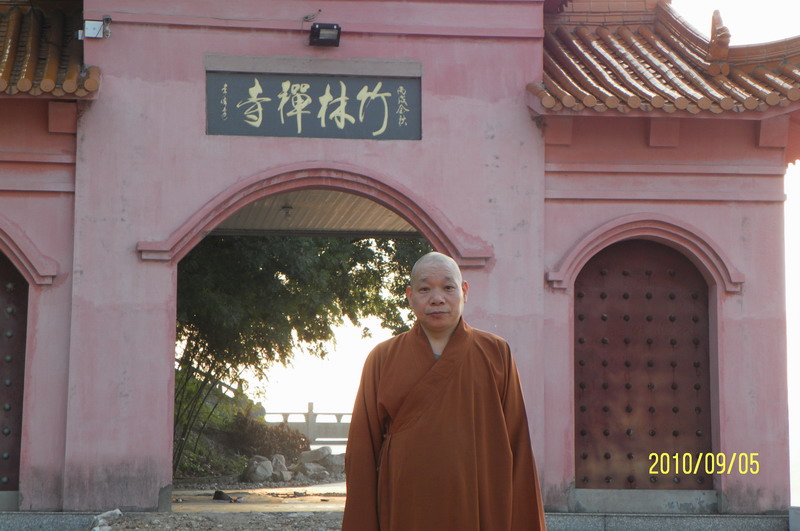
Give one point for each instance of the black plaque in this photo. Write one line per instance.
(313, 106)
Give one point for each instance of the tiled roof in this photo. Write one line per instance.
(41, 56)
(604, 62)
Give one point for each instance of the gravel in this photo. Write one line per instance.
(316, 521)
(230, 521)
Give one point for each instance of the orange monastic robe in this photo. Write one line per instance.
(441, 445)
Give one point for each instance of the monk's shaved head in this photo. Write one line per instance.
(438, 259)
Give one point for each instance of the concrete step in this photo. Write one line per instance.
(36, 521)
(39, 521)
(664, 522)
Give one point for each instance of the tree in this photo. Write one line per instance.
(245, 302)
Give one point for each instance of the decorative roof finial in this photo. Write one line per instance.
(720, 39)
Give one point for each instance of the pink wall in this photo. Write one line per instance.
(36, 213)
(590, 182)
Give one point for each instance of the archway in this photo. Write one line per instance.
(722, 279)
(311, 203)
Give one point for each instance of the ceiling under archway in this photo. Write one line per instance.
(316, 212)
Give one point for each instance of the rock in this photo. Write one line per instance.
(102, 520)
(313, 470)
(221, 496)
(258, 469)
(278, 463)
(279, 470)
(299, 476)
(312, 456)
(281, 475)
(333, 463)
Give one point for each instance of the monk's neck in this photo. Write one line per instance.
(438, 340)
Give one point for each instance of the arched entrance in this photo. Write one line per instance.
(328, 203)
(642, 376)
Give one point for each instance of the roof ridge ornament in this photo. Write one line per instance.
(719, 44)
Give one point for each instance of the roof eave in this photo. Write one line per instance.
(537, 109)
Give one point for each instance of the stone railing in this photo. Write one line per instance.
(333, 432)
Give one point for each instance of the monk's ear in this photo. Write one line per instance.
(464, 289)
(408, 294)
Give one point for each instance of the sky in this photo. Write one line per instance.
(332, 383)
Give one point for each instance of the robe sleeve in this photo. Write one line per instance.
(527, 507)
(363, 454)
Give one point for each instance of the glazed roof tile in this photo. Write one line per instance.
(605, 61)
(41, 56)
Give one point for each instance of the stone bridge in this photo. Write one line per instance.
(321, 428)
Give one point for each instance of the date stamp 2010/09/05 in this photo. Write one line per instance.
(704, 463)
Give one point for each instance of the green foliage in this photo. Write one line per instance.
(201, 404)
(245, 302)
(210, 458)
(255, 437)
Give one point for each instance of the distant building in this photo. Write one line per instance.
(611, 182)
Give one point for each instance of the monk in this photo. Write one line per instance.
(439, 437)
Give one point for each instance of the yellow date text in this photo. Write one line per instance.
(705, 463)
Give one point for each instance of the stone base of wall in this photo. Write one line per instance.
(666, 522)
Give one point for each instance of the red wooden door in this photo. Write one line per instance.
(641, 369)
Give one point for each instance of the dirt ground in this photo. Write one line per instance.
(229, 521)
(252, 507)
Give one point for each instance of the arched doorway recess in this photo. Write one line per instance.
(722, 280)
(642, 369)
(313, 202)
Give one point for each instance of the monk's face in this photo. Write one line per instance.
(437, 295)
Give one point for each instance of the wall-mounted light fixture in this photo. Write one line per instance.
(95, 29)
(324, 34)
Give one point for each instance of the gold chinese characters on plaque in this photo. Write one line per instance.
(313, 106)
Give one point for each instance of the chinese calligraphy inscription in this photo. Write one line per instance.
(253, 106)
(223, 101)
(316, 106)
